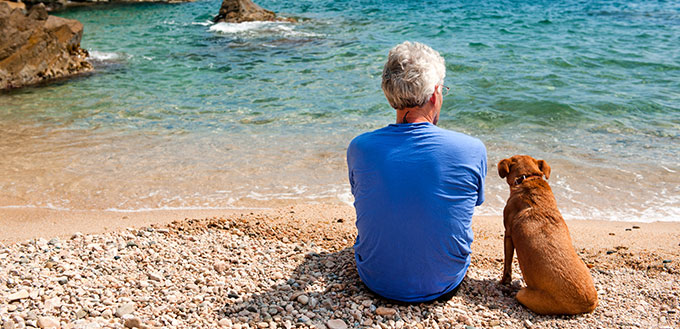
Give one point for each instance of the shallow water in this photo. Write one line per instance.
(183, 113)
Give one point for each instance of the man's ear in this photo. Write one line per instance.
(544, 167)
(433, 98)
(504, 168)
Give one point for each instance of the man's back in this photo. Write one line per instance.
(415, 188)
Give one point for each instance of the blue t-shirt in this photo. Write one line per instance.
(415, 187)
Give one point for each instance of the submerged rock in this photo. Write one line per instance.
(238, 11)
(36, 47)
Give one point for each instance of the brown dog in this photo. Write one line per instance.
(558, 282)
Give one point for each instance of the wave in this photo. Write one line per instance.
(107, 57)
(172, 22)
(165, 208)
(257, 28)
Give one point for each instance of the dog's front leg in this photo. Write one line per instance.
(507, 266)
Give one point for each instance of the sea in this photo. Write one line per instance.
(182, 113)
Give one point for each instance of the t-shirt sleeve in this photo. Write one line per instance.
(482, 177)
(350, 150)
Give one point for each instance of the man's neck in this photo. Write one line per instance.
(415, 115)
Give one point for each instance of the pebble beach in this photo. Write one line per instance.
(293, 267)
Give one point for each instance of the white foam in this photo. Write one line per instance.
(206, 23)
(241, 27)
(49, 206)
(104, 56)
(284, 29)
(165, 208)
(346, 197)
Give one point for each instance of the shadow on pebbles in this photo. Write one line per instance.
(248, 272)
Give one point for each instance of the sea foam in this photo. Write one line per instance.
(102, 56)
(241, 27)
(258, 28)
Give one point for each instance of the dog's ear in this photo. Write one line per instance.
(504, 168)
(544, 167)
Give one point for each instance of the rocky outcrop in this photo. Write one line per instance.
(52, 5)
(36, 47)
(237, 11)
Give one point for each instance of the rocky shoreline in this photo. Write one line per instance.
(292, 268)
(55, 5)
(36, 47)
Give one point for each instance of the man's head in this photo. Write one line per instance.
(411, 73)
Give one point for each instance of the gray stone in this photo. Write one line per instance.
(303, 299)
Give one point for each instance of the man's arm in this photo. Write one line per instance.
(482, 177)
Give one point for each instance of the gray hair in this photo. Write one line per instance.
(411, 74)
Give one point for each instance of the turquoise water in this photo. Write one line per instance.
(182, 113)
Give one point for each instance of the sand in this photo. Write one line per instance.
(293, 267)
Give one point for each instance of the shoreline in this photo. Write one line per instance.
(25, 223)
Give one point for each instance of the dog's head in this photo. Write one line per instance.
(522, 165)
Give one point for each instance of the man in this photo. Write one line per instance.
(415, 187)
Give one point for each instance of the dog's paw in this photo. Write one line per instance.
(506, 280)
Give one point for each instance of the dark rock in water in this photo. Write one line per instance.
(36, 47)
(50, 5)
(238, 11)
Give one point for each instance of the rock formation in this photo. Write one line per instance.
(36, 47)
(237, 11)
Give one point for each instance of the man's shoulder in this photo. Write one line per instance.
(460, 139)
(366, 138)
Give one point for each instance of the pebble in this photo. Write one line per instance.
(303, 299)
(47, 322)
(134, 323)
(125, 309)
(225, 322)
(21, 294)
(107, 314)
(221, 267)
(385, 311)
(153, 276)
(224, 280)
(336, 324)
(81, 314)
